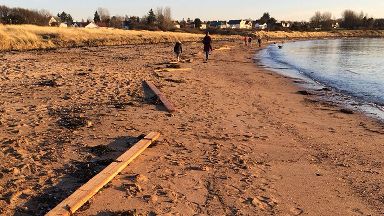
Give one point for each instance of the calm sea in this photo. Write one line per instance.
(354, 67)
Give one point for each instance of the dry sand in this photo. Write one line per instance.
(243, 141)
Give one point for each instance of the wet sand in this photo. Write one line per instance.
(242, 142)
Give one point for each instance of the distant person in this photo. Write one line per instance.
(178, 49)
(259, 41)
(207, 41)
(249, 41)
(246, 40)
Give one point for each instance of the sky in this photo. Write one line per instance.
(293, 10)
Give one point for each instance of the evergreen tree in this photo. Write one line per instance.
(66, 18)
(198, 23)
(265, 18)
(62, 16)
(69, 19)
(151, 19)
(97, 18)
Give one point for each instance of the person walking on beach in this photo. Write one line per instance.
(249, 41)
(178, 49)
(245, 40)
(207, 41)
(259, 41)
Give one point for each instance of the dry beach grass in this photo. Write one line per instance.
(29, 37)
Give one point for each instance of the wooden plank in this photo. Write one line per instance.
(70, 205)
(168, 105)
(173, 69)
(223, 48)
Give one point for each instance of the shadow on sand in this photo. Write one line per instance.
(75, 174)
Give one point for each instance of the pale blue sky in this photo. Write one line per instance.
(207, 9)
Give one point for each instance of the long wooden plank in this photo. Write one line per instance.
(173, 69)
(70, 205)
(168, 105)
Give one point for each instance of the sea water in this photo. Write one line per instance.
(353, 67)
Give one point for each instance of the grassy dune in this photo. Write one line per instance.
(27, 37)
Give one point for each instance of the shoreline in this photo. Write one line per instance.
(327, 93)
(242, 141)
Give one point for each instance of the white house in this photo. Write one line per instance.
(63, 25)
(335, 25)
(285, 24)
(261, 26)
(203, 26)
(237, 24)
(248, 24)
(218, 24)
(91, 25)
(176, 25)
(52, 22)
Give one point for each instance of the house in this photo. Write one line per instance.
(63, 25)
(53, 22)
(176, 24)
(91, 25)
(248, 24)
(285, 24)
(203, 26)
(79, 24)
(237, 24)
(261, 26)
(218, 24)
(102, 25)
(190, 25)
(126, 24)
(335, 25)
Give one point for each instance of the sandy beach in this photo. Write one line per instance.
(242, 142)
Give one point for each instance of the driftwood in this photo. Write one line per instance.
(168, 105)
(70, 205)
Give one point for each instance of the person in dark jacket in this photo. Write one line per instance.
(178, 49)
(249, 41)
(207, 41)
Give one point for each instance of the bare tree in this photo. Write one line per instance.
(45, 13)
(351, 19)
(104, 14)
(159, 15)
(116, 22)
(23, 16)
(164, 18)
(322, 20)
(316, 19)
(167, 14)
(326, 21)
